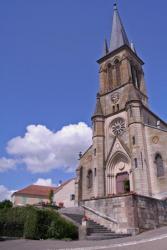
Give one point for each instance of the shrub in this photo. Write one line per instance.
(34, 223)
(31, 225)
(12, 221)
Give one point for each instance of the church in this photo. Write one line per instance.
(128, 155)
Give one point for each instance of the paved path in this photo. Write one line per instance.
(152, 240)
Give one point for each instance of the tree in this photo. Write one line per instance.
(51, 194)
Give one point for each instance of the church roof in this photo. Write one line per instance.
(98, 109)
(118, 35)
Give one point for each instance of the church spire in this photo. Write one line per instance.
(118, 35)
(98, 110)
(105, 49)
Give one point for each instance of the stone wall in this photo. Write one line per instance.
(131, 213)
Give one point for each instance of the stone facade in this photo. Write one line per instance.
(129, 213)
(128, 151)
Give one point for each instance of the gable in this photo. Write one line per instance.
(118, 146)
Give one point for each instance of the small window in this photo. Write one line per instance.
(90, 179)
(136, 163)
(133, 140)
(95, 152)
(72, 197)
(95, 172)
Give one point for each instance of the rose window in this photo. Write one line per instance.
(118, 126)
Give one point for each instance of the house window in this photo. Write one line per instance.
(95, 152)
(24, 200)
(159, 165)
(90, 179)
(72, 197)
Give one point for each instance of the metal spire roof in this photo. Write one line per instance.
(118, 35)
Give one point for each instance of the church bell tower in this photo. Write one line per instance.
(117, 117)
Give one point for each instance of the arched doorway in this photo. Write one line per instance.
(122, 183)
(118, 174)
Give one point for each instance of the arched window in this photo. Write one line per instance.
(159, 165)
(118, 72)
(109, 76)
(90, 179)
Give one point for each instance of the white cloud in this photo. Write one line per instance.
(44, 182)
(42, 150)
(6, 164)
(5, 194)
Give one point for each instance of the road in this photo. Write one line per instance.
(152, 240)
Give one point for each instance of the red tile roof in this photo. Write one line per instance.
(42, 191)
(35, 190)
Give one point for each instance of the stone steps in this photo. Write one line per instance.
(74, 213)
(75, 217)
(105, 236)
(96, 231)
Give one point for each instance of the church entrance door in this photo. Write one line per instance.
(122, 183)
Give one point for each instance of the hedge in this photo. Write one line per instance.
(34, 223)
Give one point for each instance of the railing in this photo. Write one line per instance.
(100, 214)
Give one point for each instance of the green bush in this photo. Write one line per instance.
(31, 225)
(34, 223)
(6, 204)
(12, 222)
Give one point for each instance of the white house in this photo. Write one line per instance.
(64, 195)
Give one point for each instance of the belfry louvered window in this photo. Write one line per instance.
(109, 76)
(118, 72)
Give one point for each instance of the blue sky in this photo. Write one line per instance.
(48, 69)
